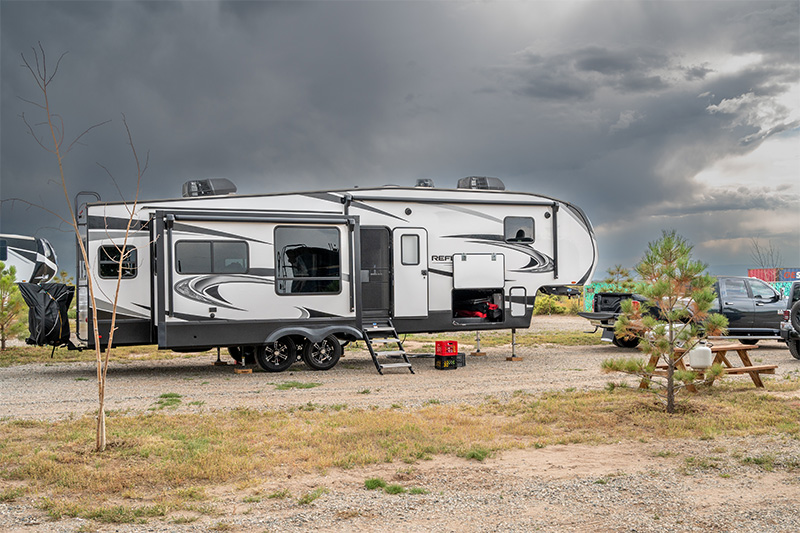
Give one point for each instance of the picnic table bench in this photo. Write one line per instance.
(720, 352)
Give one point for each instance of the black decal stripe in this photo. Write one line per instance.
(195, 230)
(313, 313)
(538, 262)
(441, 272)
(326, 196)
(471, 212)
(101, 222)
(25, 254)
(481, 236)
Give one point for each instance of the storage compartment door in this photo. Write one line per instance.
(479, 271)
(410, 272)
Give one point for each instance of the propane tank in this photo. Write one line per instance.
(700, 356)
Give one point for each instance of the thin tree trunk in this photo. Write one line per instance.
(670, 387)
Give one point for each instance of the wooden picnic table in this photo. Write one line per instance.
(720, 352)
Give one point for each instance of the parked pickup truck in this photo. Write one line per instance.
(790, 327)
(754, 310)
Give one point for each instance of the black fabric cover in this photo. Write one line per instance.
(48, 305)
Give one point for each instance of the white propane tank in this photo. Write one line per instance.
(700, 356)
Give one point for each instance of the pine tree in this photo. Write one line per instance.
(11, 305)
(680, 295)
(620, 278)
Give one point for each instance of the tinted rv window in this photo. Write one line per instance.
(409, 249)
(518, 229)
(3, 250)
(108, 262)
(307, 260)
(211, 257)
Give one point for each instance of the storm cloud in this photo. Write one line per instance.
(648, 115)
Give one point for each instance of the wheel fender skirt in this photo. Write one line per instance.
(315, 334)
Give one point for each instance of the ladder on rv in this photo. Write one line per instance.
(379, 336)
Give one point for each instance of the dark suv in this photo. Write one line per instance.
(790, 327)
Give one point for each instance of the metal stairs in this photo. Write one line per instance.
(381, 332)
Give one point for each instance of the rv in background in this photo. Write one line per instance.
(277, 276)
(34, 258)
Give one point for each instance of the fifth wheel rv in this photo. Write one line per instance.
(34, 258)
(277, 277)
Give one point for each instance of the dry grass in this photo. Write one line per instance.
(22, 355)
(148, 455)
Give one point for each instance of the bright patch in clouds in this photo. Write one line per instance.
(775, 163)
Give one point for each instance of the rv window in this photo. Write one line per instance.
(409, 249)
(3, 250)
(518, 229)
(211, 257)
(108, 262)
(307, 260)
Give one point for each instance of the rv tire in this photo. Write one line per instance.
(322, 355)
(277, 356)
(631, 342)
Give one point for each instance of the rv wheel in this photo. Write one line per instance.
(322, 355)
(240, 352)
(278, 356)
(631, 342)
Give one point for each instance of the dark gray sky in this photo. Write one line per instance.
(648, 115)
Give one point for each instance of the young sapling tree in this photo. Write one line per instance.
(53, 141)
(676, 315)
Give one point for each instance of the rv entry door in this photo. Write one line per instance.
(410, 272)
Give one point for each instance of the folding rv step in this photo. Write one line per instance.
(380, 328)
(396, 365)
(384, 340)
(384, 334)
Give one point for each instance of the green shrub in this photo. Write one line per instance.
(547, 305)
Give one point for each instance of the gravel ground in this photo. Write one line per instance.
(627, 486)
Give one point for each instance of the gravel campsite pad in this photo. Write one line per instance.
(626, 486)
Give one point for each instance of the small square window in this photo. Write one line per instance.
(109, 262)
(518, 229)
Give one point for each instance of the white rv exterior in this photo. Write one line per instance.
(244, 271)
(34, 258)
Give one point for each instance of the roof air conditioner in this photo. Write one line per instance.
(480, 182)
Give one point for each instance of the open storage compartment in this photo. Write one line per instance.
(478, 305)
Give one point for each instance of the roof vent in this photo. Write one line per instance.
(480, 182)
(209, 187)
(424, 182)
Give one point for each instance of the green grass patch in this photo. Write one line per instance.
(375, 483)
(766, 461)
(287, 385)
(394, 488)
(169, 399)
(310, 497)
(479, 453)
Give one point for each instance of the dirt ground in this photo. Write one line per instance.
(646, 485)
